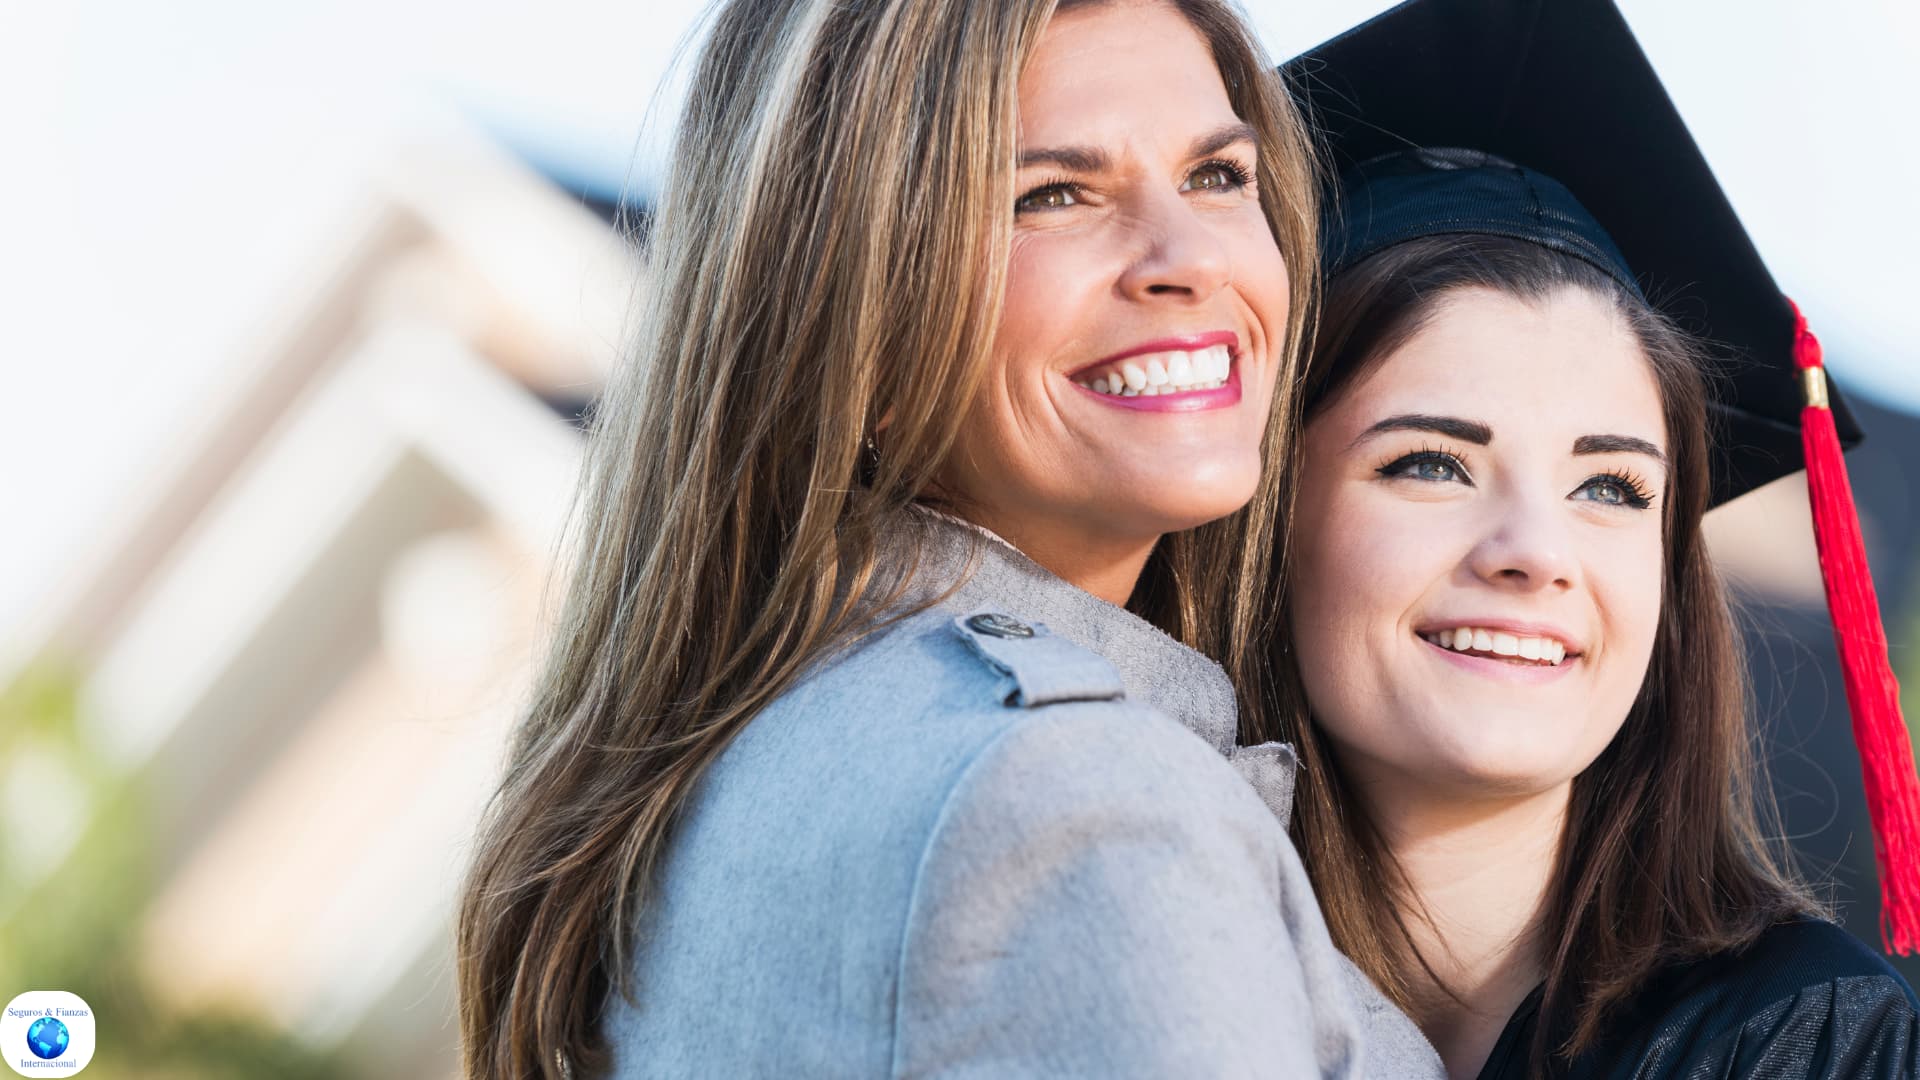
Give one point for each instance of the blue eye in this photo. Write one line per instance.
(1614, 489)
(1430, 466)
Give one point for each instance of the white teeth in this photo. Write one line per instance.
(1216, 362)
(1500, 643)
(1165, 373)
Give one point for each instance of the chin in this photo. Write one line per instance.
(1505, 777)
(1190, 508)
(1514, 767)
(1205, 494)
(1133, 501)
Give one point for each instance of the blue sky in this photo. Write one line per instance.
(181, 157)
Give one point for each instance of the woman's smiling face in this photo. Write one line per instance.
(1477, 581)
(1146, 299)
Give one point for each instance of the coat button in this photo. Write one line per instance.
(1000, 626)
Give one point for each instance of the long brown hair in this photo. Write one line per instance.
(829, 250)
(1664, 855)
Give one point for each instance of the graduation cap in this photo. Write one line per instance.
(1542, 120)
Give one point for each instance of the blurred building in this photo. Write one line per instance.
(312, 625)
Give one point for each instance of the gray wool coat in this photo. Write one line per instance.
(1008, 836)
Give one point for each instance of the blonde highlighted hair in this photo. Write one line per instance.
(829, 248)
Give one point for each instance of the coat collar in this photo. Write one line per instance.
(1156, 669)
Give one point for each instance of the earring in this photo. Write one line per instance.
(869, 459)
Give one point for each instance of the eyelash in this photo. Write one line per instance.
(1239, 176)
(1634, 492)
(1396, 467)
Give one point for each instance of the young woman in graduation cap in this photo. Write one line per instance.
(1529, 799)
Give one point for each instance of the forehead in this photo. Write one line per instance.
(1100, 70)
(1547, 369)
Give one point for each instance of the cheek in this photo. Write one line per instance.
(1258, 265)
(1628, 579)
(1354, 586)
(1353, 540)
(1051, 280)
(1043, 274)
(1260, 277)
(1364, 564)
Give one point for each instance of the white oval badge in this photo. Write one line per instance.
(47, 1033)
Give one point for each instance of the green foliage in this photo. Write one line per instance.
(76, 929)
(43, 703)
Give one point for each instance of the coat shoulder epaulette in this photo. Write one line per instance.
(1036, 666)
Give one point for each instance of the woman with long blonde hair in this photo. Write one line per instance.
(882, 731)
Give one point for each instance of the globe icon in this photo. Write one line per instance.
(47, 1037)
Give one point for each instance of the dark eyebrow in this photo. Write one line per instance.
(1222, 137)
(1615, 444)
(1092, 159)
(1085, 159)
(1466, 430)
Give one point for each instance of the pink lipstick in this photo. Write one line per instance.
(1191, 373)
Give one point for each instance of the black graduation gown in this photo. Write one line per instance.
(1806, 1001)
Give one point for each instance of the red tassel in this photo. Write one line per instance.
(1879, 730)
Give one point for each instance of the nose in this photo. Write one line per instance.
(1180, 256)
(1527, 548)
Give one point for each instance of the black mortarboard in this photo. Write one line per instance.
(1561, 89)
(1542, 120)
